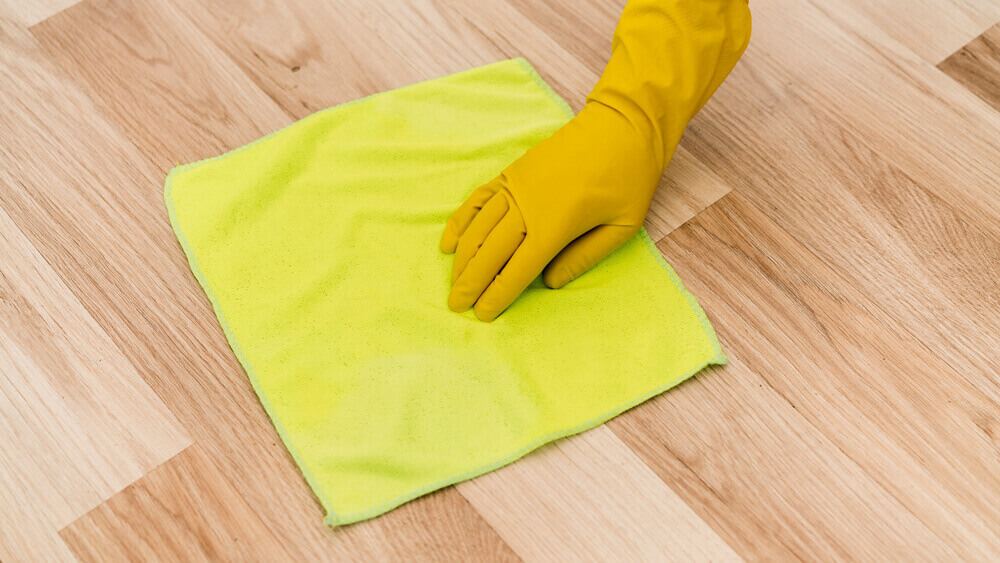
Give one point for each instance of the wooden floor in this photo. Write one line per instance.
(835, 208)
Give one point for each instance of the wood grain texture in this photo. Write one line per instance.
(180, 349)
(931, 29)
(161, 81)
(834, 208)
(796, 496)
(556, 504)
(29, 12)
(902, 244)
(687, 188)
(916, 256)
(200, 517)
(834, 58)
(849, 379)
(77, 422)
(977, 66)
(797, 160)
(187, 510)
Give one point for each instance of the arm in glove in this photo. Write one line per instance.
(578, 195)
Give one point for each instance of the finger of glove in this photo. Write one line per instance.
(481, 270)
(584, 253)
(522, 268)
(475, 235)
(463, 216)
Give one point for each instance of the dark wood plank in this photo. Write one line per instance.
(184, 510)
(977, 66)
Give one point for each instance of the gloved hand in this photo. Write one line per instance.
(581, 193)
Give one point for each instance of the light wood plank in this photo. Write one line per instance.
(27, 13)
(403, 43)
(822, 352)
(488, 31)
(816, 176)
(161, 319)
(977, 66)
(178, 97)
(769, 483)
(933, 29)
(849, 370)
(77, 423)
(582, 28)
(328, 52)
(832, 57)
(908, 250)
(687, 188)
(441, 526)
(590, 498)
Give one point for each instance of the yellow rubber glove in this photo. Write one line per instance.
(583, 192)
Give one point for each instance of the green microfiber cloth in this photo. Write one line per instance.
(318, 247)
